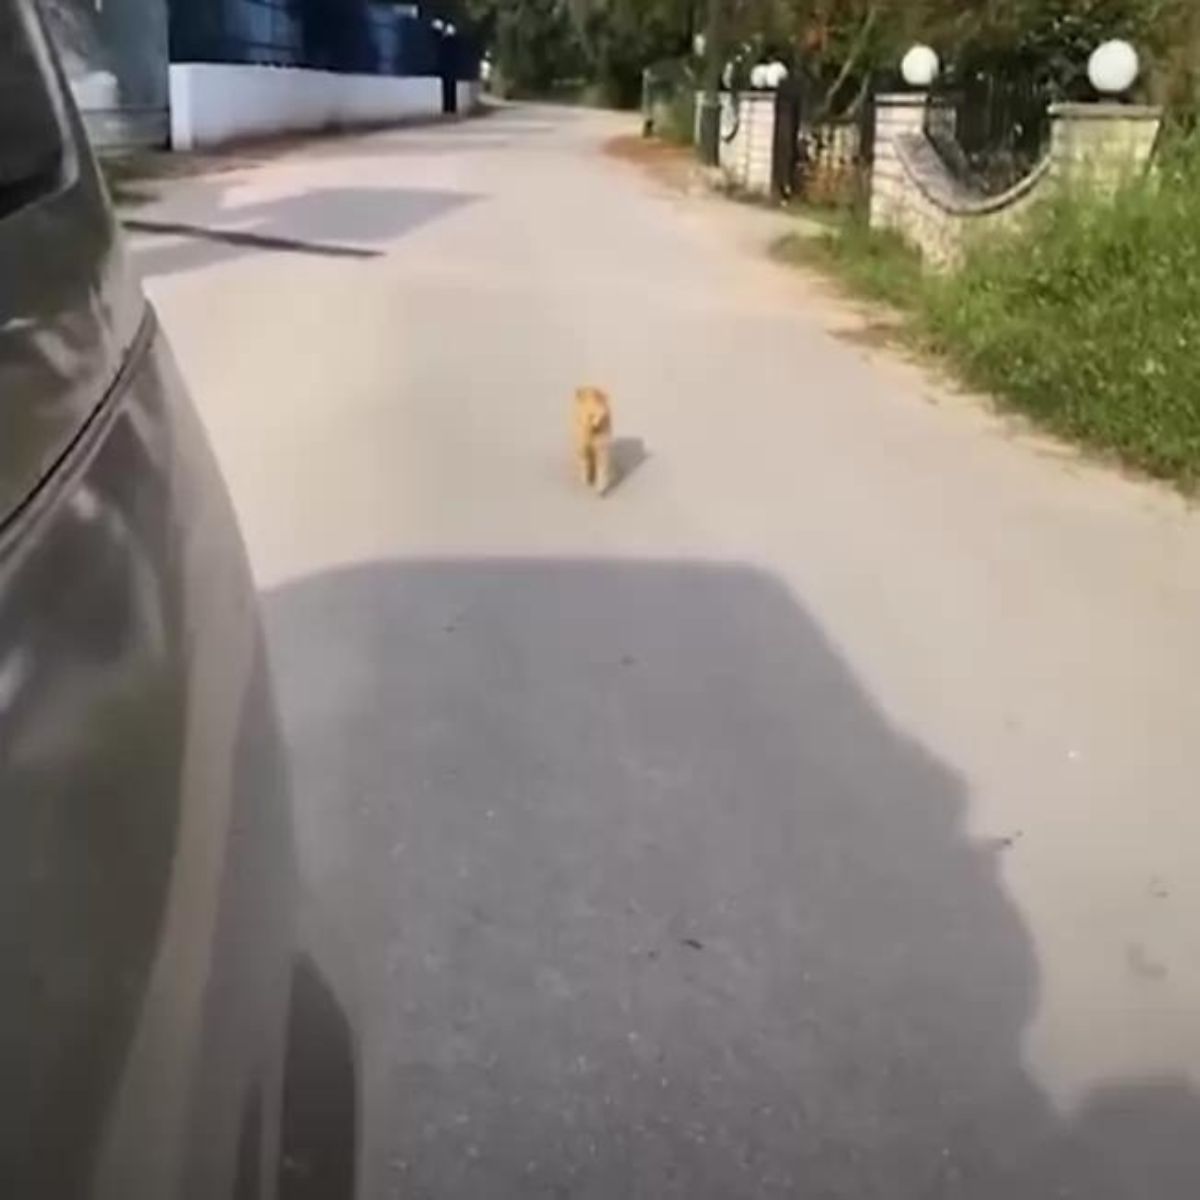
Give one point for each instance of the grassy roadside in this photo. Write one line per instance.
(877, 266)
(1087, 321)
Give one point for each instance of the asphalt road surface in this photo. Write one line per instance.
(817, 816)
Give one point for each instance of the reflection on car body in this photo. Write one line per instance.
(147, 878)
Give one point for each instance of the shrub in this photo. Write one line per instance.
(1089, 319)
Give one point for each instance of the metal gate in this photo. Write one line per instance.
(818, 158)
(786, 153)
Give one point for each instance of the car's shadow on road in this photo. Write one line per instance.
(650, 899)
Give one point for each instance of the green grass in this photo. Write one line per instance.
(1088, 320)
(880, 266)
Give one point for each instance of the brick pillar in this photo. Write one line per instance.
(1101, 145)
(759, 109)
(746, 157)
(896, 116)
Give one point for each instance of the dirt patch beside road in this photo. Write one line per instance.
(668, 163)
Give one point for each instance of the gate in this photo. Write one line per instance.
(787, 151)
(816, 157)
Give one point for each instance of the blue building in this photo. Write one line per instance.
(204, 72)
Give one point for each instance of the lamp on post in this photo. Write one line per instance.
(447, 53)
(920, 67)
(1113, 68)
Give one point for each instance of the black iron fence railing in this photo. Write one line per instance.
(825, 136)
(990, 130)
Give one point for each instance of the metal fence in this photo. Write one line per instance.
(825, 142)
(991, 129)
(359, 36)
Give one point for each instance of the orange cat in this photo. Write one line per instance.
(593, 438)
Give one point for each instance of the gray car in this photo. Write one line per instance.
(151, 1000)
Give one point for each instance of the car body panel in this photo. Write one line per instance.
(146, 862)
(140, 771)
(69, 306)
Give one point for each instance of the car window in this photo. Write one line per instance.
(31, 136)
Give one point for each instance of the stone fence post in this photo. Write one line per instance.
(746, 158)
(896, 116)
(1102, 145)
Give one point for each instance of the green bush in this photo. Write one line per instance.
(1089, 319)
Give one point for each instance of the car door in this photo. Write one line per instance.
(145, 849)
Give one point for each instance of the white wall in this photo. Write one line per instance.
(212, 103)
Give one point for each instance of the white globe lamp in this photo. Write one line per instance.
(920, 67)
(451, 30)
(438, 24)
(1113, 68)
(776, 73)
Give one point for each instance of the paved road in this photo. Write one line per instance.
(815, 817)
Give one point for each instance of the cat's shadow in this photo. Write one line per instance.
(628, 454)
